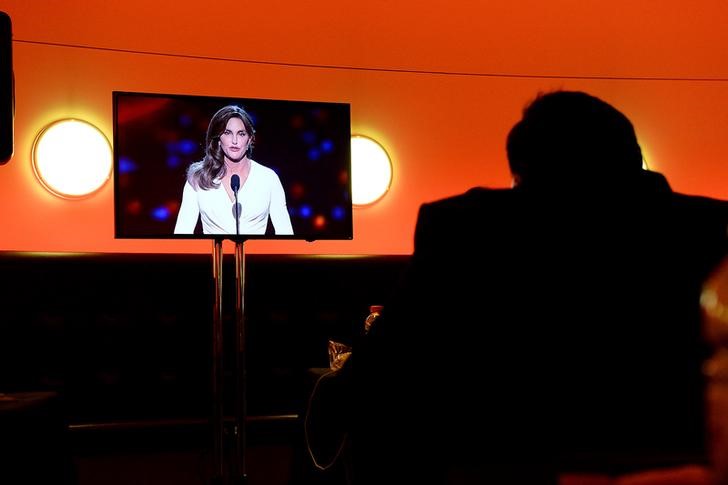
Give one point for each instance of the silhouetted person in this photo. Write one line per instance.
(547, 327)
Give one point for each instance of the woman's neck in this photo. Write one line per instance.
(237, 167)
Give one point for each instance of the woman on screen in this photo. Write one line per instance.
(229, 191)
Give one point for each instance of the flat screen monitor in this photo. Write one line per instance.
(206, 167)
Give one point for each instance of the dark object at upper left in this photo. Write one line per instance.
(7, 89)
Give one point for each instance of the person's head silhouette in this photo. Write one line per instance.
(571, 137)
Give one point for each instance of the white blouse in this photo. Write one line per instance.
(260, 196)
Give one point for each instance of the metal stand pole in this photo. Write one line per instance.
(240, 387)
(217, 368)
(238, 455)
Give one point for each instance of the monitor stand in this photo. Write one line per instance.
(236, 472)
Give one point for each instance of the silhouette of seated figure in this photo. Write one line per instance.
(549, 327)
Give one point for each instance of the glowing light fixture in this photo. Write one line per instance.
(371, 170)
(72, 158)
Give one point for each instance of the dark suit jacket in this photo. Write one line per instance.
(543, 326)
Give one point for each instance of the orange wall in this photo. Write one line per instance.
(438, 85)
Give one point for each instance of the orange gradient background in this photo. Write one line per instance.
(437, 83)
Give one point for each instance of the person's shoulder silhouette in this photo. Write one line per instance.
(546, 320)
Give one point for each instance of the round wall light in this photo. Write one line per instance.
(371, 170)
(72, 158)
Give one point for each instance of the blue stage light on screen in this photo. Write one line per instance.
(185, 120)
(160, 213)
(338, 213)
(252, 114)
(127, 165)
(314, 154)
(305, 211)
(173, 161)
(309, 137)
(327, 146)
(187, 147)
(182, 147)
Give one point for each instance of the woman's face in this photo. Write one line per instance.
(234, 140)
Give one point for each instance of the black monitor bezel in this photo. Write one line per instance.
(121, 233)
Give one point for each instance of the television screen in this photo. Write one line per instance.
(203, 167)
